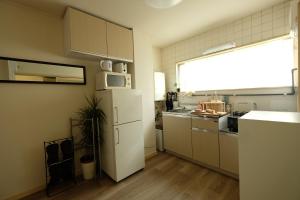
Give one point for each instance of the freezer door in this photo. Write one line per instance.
(127, 106)
(129, 149)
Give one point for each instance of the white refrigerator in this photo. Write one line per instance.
(123, 140)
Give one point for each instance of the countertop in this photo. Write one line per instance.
(289, 117)
(222, 127)
(188, 113)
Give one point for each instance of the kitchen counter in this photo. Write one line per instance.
(188, 113)
(269, 155)
(176, 113)
(204, 140)
(290, 117)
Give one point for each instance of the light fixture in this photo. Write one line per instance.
(222, 47)
(162, 4)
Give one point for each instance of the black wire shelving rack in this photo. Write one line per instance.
(59, 167)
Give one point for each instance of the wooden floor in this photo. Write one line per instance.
(164, 178)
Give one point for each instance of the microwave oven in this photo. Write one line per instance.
(112, 80)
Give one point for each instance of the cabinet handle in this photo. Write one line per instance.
(205, 119)
(177, 115)
(202, 130)
(182, 116)
(118, 132)
(117, 114)
(195, 129)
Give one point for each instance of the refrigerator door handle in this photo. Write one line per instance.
(117, 114)
(118, 132)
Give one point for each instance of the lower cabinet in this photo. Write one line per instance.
(205, 146)
(200, 139)
(177, 134)
(229, 156)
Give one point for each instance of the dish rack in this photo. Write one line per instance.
(218, 106)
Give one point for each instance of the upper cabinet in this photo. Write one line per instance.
(119, 42)
(159, 86)
(87, 35)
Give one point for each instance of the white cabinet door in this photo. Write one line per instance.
(85, 34)
(127, 106)
(205, 146)
(229, 160)
(129, 149)
(119, 42)
(97, 36)
(160, 88)
(170, 135)
(177, 134)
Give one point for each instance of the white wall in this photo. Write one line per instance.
(144, 62)
(246, 103)
(33, 113)
(262, 25)
(3, 70)
(157, 59)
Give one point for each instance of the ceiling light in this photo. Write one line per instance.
(162, 4)
(222, 47)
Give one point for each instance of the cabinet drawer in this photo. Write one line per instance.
(205, 123)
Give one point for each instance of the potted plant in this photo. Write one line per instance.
(91, 118)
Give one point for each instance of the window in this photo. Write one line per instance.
(264, 65)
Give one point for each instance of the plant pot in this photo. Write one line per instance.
(88, 165)
(88, 170)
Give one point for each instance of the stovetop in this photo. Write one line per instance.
(238, 113)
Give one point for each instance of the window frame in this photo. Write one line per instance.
(290, 90)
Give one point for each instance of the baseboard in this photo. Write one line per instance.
(42, 187)
(150, 155)
(26, 193)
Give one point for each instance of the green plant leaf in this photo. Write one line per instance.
(88, 116)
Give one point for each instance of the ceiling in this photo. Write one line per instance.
(163, 26)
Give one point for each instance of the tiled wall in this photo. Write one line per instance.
(246, 103)
(262, 25)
